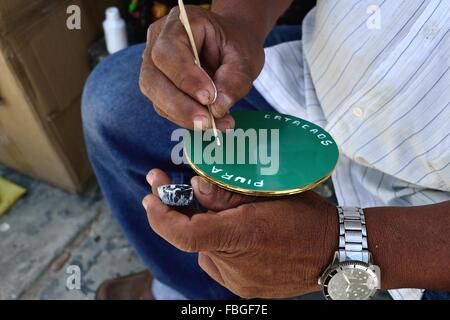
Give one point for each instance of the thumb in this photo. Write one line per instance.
(233, 81)
(199, 233)
(217, 199)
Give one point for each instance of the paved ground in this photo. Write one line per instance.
(49, 233)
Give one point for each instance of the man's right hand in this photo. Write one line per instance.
(231, 55)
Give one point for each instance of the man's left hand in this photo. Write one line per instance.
(255, 247)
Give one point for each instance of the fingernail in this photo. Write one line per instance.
(225, 124)
(230, 123)
(221, 106)
(203, 121)
(204, 186)
(150, 177)
(145, 203)
(203, 96)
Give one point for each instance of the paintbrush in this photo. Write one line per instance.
(185, 21)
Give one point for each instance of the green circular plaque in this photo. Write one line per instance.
(267, 154)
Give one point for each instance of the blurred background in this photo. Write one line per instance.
(52, 215)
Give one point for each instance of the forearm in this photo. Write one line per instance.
(411, 245)
(258, 15)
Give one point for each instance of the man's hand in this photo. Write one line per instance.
(278, 247)
(231, 55)
(257, 248)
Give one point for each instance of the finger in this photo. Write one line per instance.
(208, 265)
(172, 104)
(233, 80)
(217, 199)
(176, 105)
(202, 232)
(222, 124)
(157, 178)
(160, 111)
(168, 100)
(173, 55)
(225, 123)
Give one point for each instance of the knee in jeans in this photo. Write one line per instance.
(103, 96)
(93, 106)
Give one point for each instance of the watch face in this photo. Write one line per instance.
(351, 281)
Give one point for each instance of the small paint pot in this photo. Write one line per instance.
(176, 195)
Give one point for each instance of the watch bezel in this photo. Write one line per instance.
(332, 271)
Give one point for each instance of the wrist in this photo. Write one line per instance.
(257, 17)
(323, 235)
(389, 248)
(351, 275)
(330, 238)
(245, 24)
(410, 245)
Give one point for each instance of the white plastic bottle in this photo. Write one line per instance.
(115, 31)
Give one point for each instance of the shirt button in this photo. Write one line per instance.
(431, 31)
(362, 161)
(358, 112)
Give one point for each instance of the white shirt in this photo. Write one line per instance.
(375, 74)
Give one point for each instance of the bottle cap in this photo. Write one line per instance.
(112, 13)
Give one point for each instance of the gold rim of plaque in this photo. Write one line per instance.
(274, 193)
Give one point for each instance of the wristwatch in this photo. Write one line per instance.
(352, 275)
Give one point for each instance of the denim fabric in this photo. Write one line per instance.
(436, 295)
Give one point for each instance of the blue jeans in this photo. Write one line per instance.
(126, 138)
